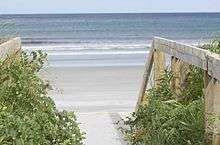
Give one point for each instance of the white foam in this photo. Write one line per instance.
(99, 53)
(86, 46)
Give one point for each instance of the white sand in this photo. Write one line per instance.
(95, 89)
(99, 95)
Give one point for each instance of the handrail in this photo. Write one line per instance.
(183, 55)
(9, 47)
(193, 55)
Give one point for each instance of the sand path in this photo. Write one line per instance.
(100, 96)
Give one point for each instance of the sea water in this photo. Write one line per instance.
(108, 39)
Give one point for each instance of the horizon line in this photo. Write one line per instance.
(109, 13)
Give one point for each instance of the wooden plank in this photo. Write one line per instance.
(216, 108)
(146, 76)
(180, 71)
(212, 109)
(175, 69)
(209, 102)
(189, 54)
(159, 66)
(10, 47)
(213, 65)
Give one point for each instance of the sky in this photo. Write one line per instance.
(107, 6)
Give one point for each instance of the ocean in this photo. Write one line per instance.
(88, 40)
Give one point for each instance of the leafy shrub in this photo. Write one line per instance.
(214, 46)
(164, 121)
(194, 88)
(27, 114)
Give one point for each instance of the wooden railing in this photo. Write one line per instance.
(181, 56)
(10, 47)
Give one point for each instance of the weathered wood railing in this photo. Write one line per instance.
(181, 56)
(9, 47)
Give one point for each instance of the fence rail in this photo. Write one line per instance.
(183, 55)
(9, 47)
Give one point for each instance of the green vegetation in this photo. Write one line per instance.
(214, 46)
(163, 120)
(27, 114)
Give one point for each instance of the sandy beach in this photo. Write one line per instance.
(95, 89)
(93, 56)
(100, 96)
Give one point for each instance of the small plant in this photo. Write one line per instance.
(214, 46)
(27, 114)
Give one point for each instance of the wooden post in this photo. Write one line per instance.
(146, 76)
(175, 69)
(180, 71)
(209, 98)
(212, 110)
(159, 66)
